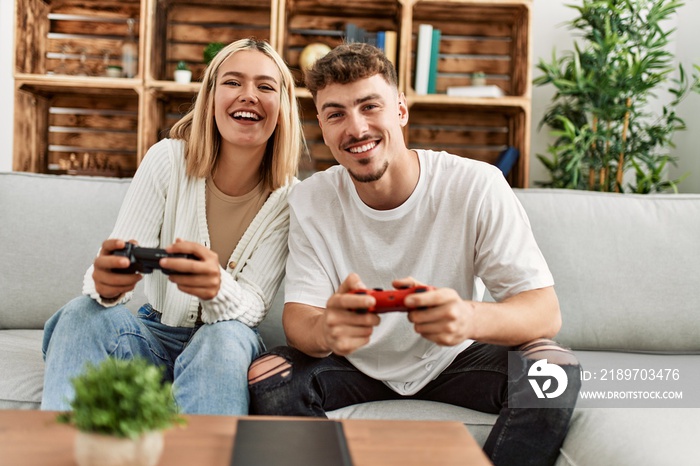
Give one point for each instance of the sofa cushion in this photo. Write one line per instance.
(631, 437)
(479, 424)
(626, 267)
(52, 228)
(22, 369)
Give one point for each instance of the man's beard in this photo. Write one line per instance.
(371, 176)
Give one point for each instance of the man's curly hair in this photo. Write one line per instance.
(348, 63)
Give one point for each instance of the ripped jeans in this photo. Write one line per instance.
(294, 384)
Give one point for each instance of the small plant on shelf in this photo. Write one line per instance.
(183, 74)
(120, 402)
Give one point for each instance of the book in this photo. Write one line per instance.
(279, 442)
(475, 91)
(425, 38)
(351, 33)
(390, 43)
(434, 58)
(506, 159)
(380, 41)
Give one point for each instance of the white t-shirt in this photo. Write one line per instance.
(462, 221)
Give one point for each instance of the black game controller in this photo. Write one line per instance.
(146, 260)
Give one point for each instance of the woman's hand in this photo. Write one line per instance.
(201, 278)
(108, 284)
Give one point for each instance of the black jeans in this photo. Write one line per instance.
(477, 379)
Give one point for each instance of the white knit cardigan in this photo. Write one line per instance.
(163, 204)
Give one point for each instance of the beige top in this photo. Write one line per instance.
(228, 217)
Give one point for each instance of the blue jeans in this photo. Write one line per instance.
(207, 364)
(477, 379)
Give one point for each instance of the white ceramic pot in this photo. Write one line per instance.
(104, 450)
(183, 76)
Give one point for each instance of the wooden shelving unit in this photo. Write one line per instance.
(117, 119)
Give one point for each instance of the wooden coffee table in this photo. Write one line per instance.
(34, 438)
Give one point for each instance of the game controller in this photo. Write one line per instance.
(391, 300)
(146, 260)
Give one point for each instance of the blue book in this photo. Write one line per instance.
(380, 40)
(434, 57)
(506, 159)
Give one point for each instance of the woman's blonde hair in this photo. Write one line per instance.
(202, 138)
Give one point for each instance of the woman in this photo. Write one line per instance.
(218, 190)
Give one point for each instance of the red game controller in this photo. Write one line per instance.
(391, 300)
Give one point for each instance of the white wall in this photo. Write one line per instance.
(688, 142)
(7, 98)
(547, 32)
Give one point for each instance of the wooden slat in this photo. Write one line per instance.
(445, 81)
(455, 13)
(105, 101)
(337, 23)
(32, 25)
(465, 136)
(30, 116)
(468, 45)
(113, 122)
(196, 14)
(466, 116)
(201, 34)
(368, 8)
(95, 140)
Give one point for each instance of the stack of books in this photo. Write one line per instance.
(384, 40)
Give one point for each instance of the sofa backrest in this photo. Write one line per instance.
(51, 228)
(626, 267)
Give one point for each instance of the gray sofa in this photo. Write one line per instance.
(627, 270)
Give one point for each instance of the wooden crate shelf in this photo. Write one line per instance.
(71, 130)
(477, 132)
(183, 28)
(304, 22)
(60, 30)
(492, 36)
(487, 37)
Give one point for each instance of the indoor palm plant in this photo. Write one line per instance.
(599, 114)
(120, 409)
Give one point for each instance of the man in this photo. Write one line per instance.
(434, 219)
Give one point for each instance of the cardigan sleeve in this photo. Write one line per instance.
(141, 214)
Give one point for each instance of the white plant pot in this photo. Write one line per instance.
(104, 450)
(183, 76)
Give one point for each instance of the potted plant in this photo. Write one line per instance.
(211, 50)
(479, 78)
(120, 409)
(599, 113)
(183, 74)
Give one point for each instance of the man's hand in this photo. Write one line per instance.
(201, 278)
(344, 329)
(108, 284)
(441, 316)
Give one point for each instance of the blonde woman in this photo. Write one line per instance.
(217, 189)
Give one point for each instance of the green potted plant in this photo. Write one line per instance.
(120, 410)
(211, 50)
(183, 74)
(599, 114)
(479, 78)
